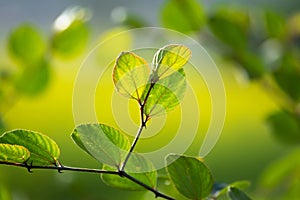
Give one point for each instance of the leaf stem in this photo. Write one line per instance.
(143, 125)
(132, 147)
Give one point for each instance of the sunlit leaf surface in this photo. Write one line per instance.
(43, 150)
(13, 153)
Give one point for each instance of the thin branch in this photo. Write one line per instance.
(121, 171)
(61, 168)
(157, 193)
(132, 147)
(143, 125)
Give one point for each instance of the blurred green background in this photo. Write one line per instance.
(39, 60)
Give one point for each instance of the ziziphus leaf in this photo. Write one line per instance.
(190, 176)
(106, 144)
(43, 150)
(11, 153)
(168, 60)
(166, 94)
(130, 75)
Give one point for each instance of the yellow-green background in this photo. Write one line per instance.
(243, 151)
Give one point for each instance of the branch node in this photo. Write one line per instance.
(60, 167)
(28, 167)
(121, 173)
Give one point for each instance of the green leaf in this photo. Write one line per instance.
(138, 167)
(130, 75)
(168, 60)
(190, 176)
(231, 27)
(287, 76)
(281, 173)
(236, 194)
(71, 33)
(13, 153)
(238, 184)
(252, 63)
(26, 45)
(285, 127)
(33, 79)
(106, 144)
(185, 16)
(275, 25)
(5, 194)
(121, 16)
(166, 94)
(43, 150)
(2, 125)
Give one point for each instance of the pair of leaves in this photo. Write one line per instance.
(164, 86)
(22, 146)
(109, 146)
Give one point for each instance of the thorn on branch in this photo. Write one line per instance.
(28, 167)
(59, 166)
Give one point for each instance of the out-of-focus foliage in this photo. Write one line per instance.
(183, 15)
(273, 53)
(267, 47)
(4, 194)
(26, 44)
(285, 126)
(33, 55)
(287, 75)
(121, 15)
(231, 27)
(280, 179)
(33, 79)
(70, 32)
